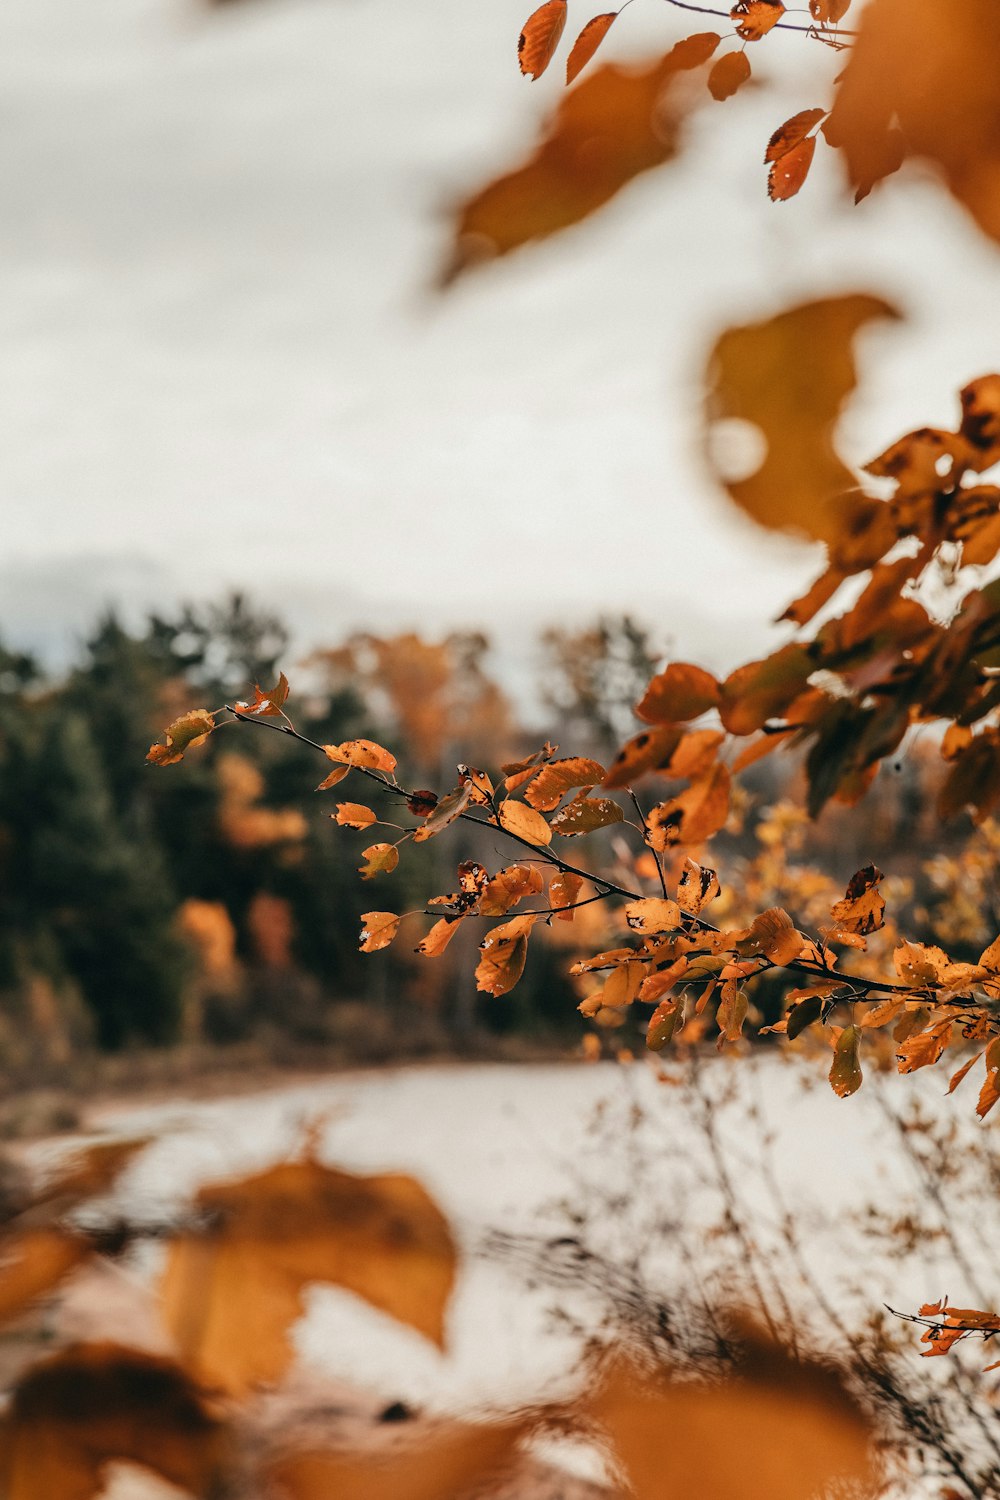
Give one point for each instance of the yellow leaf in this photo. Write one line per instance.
(354, 815)
(364, 753)
(380, 859)
(190, 729)
(504, 951)
(524, 822)
(554, 780)
(653, 915)
(378, 930)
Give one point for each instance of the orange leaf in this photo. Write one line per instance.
(773, 935)
(508, 887)
(662, 1024)
(789, 172)
(448, 1461)
(354, 815)
(829, 12)
(540, 37)
(753, 377)
(439, 936)
(557, 778)
(755, 18)
(564, 889)
(695, 753)
(378, 930)
(336, 775)
(380, 859)
(845, 1071)
(791, 133)
(587, 43)
(35, 1261)
(651, 750)
(504, 952)
(265, 705)
(364, 753)
(232, 1291)
(622, 984)
(190, 729)
(728, 74)
(91, 1405)
(524, 822)
(693, 816)
(732, 1012)
(681, 691)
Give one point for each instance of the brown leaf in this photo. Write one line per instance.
(364, 753)
(446, 1463)
(917, 964)
(190, 729)
(845, 1071)
(540, 37)
(681, 691)
(587, 43)
(653, 915)
(981, 420)
(763, 690)
(829, 12)
(554, 780)
(862, 908)
(524, 822)
(266, 705)
(380, 859)
(697, 886)
(755, 18)
(378, 930)
(617, 123)
(925, 1048)
(789, 172)
(761, 374)
(354, 815)
(504, 952)
(728, 74)
(232, 1291)
(91, 1405)
(585, 815)
(422, 803)
(789, 1428)
(773, 935)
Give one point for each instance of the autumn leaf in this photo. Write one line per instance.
(763, 690)
(617, 123)
(693, 816)
(448, 1461)
(697, 886)
(663, 1023)
(793, 1417)
(232, 1290)
(504, 951)
(445, 813)
(509, 886)
(524, 822)
(363, 753)
(422, 803)
(587, 43)
(540, 37)
(380, 859)
(760, 374)
(774, 935)
(564, 890)
(650, 750)
(789, 172)
(554, 780)
(585, 815)
(653, 915)
(377, 930)
(439, 936)
(681, 691)
(354, 815)
(845, 1071)
(829, 12)
(266, 705)
(728, 74)
(190, 729)
(90, 1405)
(755, 18)
(862, 909)
(622, 985)
(335, 777)
(35, 1261)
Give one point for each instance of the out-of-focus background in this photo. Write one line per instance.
(241, 431)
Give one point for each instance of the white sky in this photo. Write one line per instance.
(222, 366)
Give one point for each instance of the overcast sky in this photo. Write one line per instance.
(222, 366)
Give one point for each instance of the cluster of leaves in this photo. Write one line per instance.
(237, 1267)
(845, 697)
(893, 100)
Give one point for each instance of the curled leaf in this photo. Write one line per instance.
(266, 705)
(445, 812)
(190, 729)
